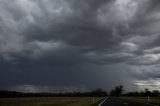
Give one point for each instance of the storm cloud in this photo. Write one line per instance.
(86, 44)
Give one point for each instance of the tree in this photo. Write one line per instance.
(117, 91)
(147, 92)
(99, 93)
(155, 93)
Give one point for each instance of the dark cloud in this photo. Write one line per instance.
(59, 43)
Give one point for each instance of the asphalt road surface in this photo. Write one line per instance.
(113, 101)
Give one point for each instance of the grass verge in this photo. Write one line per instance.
(152, 100)
(49, 101)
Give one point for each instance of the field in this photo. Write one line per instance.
(152, 100)
(48, 101)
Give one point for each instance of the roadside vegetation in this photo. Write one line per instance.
(146, 96)
(151, 100)
(12, 98)
(49, 101)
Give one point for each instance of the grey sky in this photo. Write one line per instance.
(85, 44)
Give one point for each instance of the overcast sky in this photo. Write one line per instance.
(48, 45)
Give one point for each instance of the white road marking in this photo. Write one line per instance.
(103, 101)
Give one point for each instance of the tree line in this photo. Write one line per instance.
(116, 91)
(146, 92)
(95, 93)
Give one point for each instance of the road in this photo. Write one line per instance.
(113, 101)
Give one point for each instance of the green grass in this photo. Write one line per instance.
(49, 101)
(152, 100)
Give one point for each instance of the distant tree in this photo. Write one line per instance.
(99, 93)
(155, 93)
(117, 91)
(147, 92)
